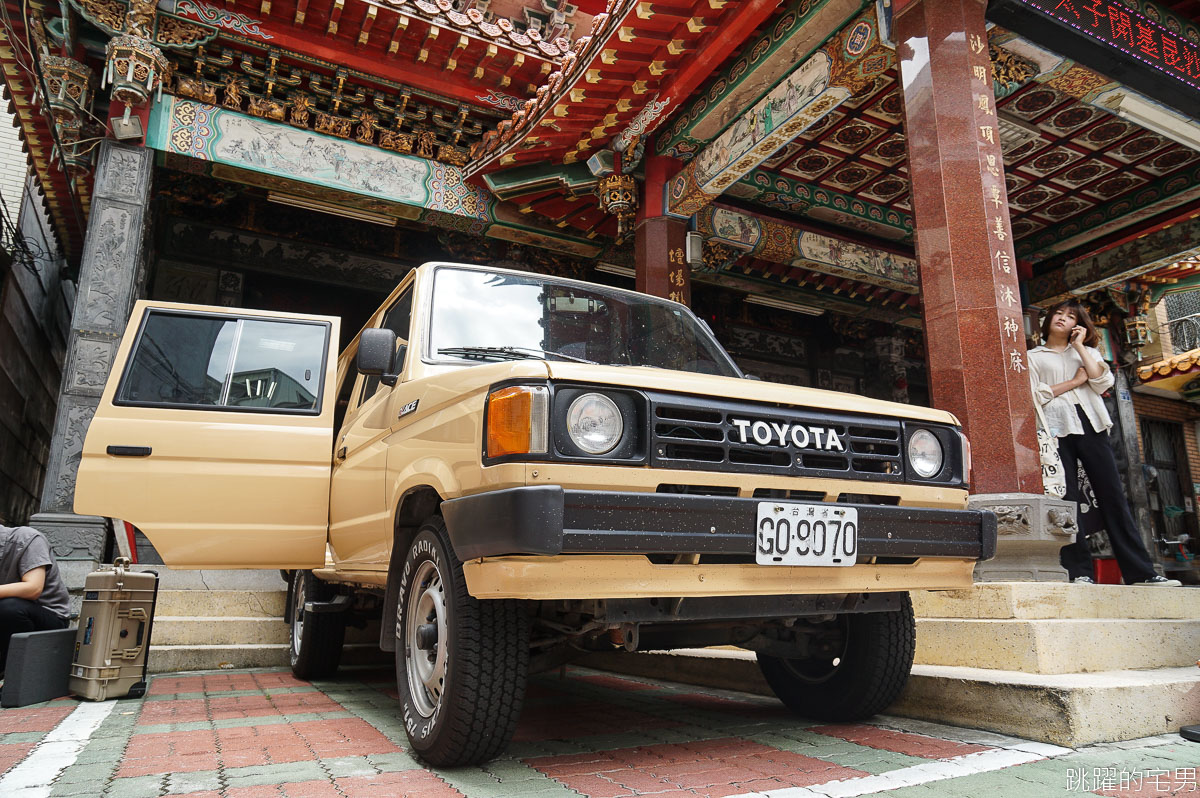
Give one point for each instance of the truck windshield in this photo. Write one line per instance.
(479, 316)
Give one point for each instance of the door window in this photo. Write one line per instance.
(193, 360)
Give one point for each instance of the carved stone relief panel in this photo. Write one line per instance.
(107, 276)
(75, 415)
(90, 362)
(123, 174)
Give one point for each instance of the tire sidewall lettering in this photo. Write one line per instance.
(424, 547)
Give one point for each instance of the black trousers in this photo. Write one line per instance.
(22, 615)
(1092, 450)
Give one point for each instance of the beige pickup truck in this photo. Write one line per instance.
(515, 470)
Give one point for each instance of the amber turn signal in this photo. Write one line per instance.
(517, 420)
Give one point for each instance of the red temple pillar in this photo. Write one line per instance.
(662, 268)
(972, 305)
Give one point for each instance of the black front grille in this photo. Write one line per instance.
(741, 436)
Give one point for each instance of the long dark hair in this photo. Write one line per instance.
(1082, 317)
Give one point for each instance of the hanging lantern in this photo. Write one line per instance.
(136, 69)
(70, 85)
(1137, 331)
(618, 196)
(77, 158)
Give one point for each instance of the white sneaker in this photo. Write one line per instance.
(1083, 580)
(1159, 581)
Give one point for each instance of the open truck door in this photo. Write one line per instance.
(214, 436)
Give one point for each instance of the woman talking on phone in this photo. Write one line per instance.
(1069, 375)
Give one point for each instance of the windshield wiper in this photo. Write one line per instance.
(508, 353)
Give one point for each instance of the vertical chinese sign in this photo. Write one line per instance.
(996, 200)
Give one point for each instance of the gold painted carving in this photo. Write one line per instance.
(1009, 69)
(141, 18)
(108, 13)
(267, 108)
(452, 155)
(234, 86)
(333, 125)
(196, 89)
(395, 141)
(177, 32)
(299, 110)
(426, 142)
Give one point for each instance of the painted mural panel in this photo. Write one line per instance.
(785, 243)
(189, 128)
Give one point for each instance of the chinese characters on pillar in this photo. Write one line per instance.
(996, 202)
(676, 275)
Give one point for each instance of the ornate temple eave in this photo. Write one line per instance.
(614, 84)
(65, 200)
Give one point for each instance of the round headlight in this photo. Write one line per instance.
(594, 423)
(924, 453)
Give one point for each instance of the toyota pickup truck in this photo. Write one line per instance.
(516, 470)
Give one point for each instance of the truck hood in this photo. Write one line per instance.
(711, 386)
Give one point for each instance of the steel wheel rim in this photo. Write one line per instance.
(426, 669)
(298, 600)
(818, 670)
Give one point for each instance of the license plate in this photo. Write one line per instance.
(806, 534)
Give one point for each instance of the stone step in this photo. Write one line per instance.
(207, 603)
(172, 658)
(1072, 645)
(1070, 710)
(1042, 600)
(218, 630)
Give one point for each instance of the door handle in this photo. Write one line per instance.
(129, 451)
(341, 453)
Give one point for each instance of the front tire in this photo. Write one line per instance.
(461, 663)
(315, 649)
(861, 679)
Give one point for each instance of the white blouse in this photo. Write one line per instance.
(1047, 368)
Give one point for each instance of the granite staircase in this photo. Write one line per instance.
(206, 620)
(1059, 663)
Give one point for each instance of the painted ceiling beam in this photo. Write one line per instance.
(392, 62)
(679, 87)
(848, 62)
(1126, 261)
(1099, 91)
(786, 194)
(763, 62)
(793, 245)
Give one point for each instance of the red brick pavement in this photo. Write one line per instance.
(223, 682)
(12, 753)
(708, 769)
(414, 783)
(39, 719)
(551, 722)
(900, 742)
(227, 707)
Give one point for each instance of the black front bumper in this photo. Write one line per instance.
(550, 520)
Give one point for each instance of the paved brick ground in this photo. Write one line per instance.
(265, 734)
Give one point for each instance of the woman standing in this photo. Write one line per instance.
(1068, 378)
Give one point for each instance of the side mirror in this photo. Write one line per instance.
(376, 353)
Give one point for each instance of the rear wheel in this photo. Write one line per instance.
(860, 677)
(461, 663)
(316, 638)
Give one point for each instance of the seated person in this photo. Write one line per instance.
(32, 594)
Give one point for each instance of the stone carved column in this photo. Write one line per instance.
(111, 278)
(972, 307)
